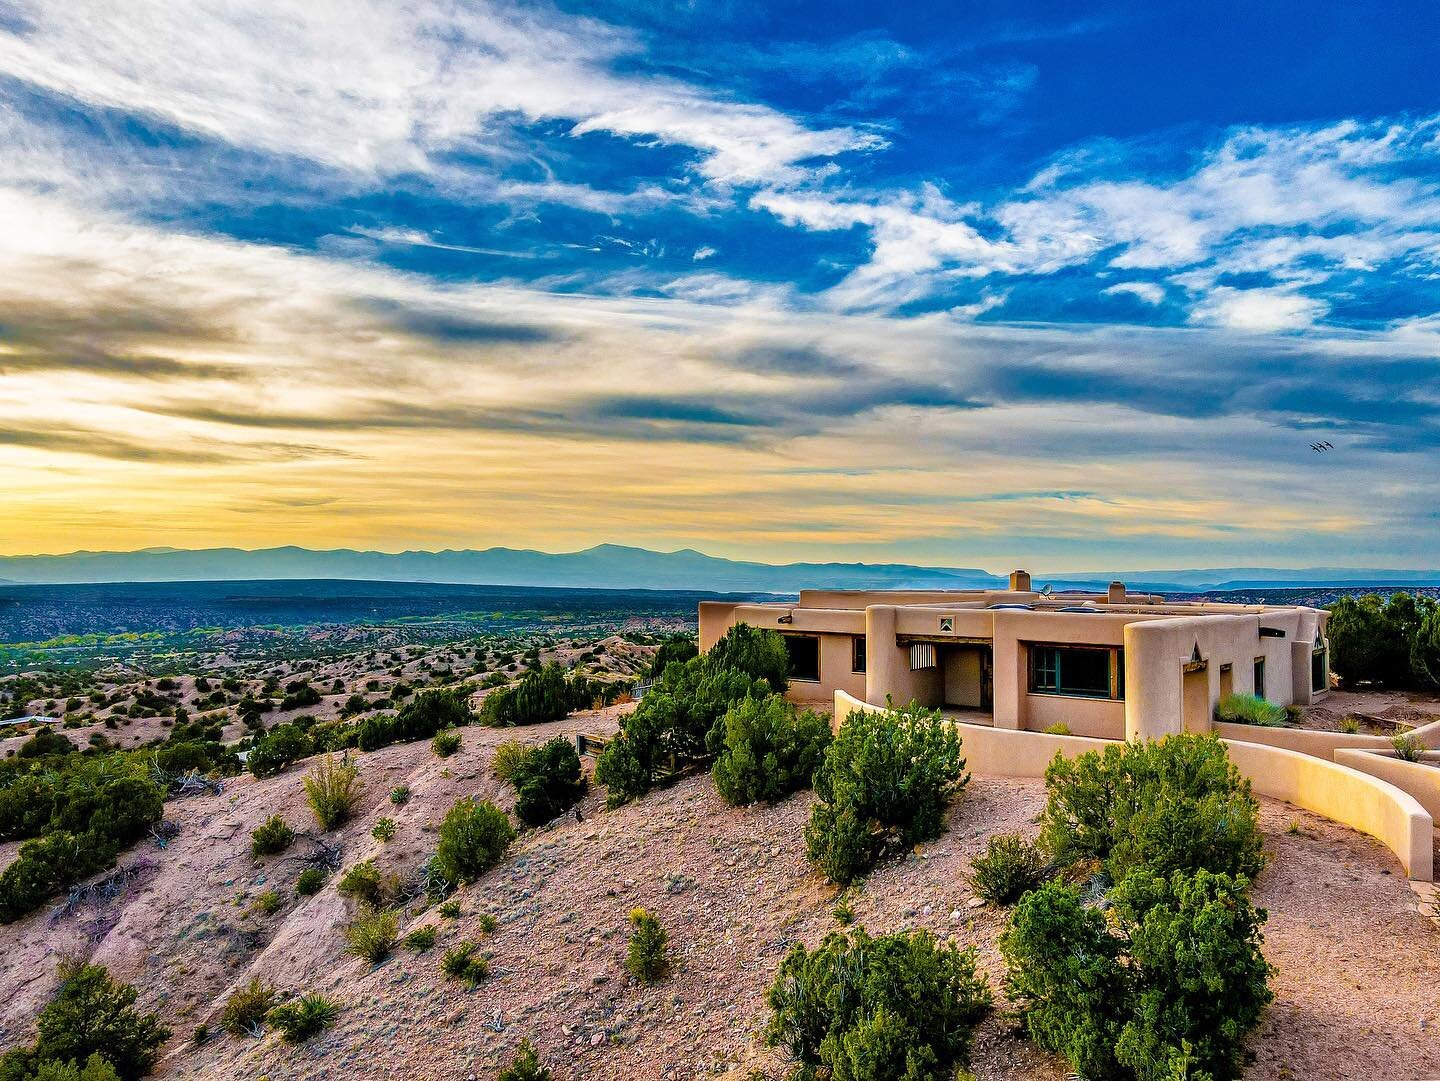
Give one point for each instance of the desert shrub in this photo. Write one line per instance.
(1172, 804)
(1010, 867)
(270, 837)
(755, 651)
(525, 1066)
(1249, 709)
(1394, 641)
(309, 1015)
(445, 744)
(310, 882)
(1407, 747)
(94, 1068)
(1348, 724)
(1167, 987)
(1425, 648)
(368, 884)
(487, 923)
(543, 694)
(1059, 728)
(886, 779)
(333, 789)
(420, 939)
(547, 781)
(46, 741)
(473, 837)
(334, 736)
(1065, 976)
(677, 649)
(245, 1009)
(302, 696)
(647, 958)
(450, 910)
(874, 1009)
(120, 810)
(462, 962)
(509, 756)
(676, 724)
(769, 750)
(276, 749)
(400, 795)
(420, 718)
(267, 902)
(47, 865)
(373, 935)
(384, 830)
(91, 1020)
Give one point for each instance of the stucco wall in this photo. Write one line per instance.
(1359, 800)
(1420, 780)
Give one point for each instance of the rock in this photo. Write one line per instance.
(975, 902)
(956, 914)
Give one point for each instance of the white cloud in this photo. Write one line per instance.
(380, 88)
(1258, 309)
(1298, 204)
(1149, 292)
(705, 251)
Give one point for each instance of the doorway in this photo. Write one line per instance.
(1196, 698)
(968, 673)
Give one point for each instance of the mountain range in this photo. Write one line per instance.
(614, 566)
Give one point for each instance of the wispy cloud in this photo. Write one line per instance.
(415, 82)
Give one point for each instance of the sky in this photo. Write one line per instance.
(969, 284)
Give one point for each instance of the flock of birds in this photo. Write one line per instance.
(1322, 447)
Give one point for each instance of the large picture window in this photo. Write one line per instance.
(1082, 671)
(804, 650)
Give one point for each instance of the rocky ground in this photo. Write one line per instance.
(1357, 966)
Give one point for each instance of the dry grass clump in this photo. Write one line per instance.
(333, 789)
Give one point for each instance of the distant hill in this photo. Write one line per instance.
(611, 566)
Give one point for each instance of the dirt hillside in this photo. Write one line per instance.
(1355, 987)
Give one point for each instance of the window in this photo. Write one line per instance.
(857, 653)
(1084, 671)
(804, 650)
(1319, 670)
(1259, 677)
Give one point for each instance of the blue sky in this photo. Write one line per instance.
(949, 283)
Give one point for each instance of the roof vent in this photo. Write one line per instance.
(1020, 581)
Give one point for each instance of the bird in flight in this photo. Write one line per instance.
(1322, 447)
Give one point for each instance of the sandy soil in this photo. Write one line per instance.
(1355, 989)
(1383, 712)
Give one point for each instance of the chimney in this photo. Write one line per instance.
(1116, 594)
(1019, 581)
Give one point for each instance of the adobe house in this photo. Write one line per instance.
(1111, 665)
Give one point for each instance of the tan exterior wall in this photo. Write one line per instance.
(1159, 640)
(1320, 744)
(1348, 796)
(1420, 780)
